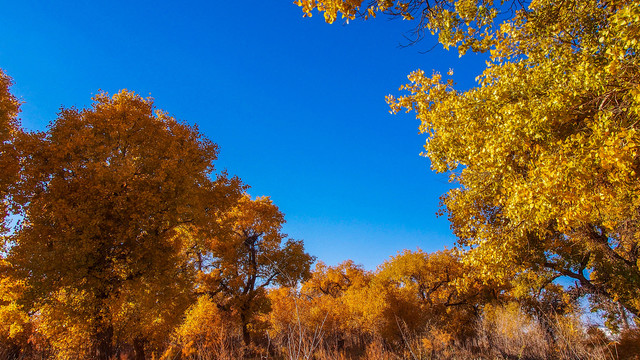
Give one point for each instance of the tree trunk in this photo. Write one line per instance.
(104, 344)
(246, 336)
(623, 315)
(11, 351)
(138, 348)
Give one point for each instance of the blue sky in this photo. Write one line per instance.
(296, 105)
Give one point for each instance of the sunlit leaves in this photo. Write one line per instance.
(249, 254)
(544, 148)
(408, 294)
(461, 23)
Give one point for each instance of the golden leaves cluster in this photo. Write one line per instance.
(465, 24)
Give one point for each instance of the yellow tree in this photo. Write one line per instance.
(239, 263)
(334, 293)
(447, 292)
(111, 194)
(544, 148)
(317, 315)
(335, 280)
(207, 332)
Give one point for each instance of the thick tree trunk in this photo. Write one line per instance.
(11, 351)
(104, 349)
(138, 348)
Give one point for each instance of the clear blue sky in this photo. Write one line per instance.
(296, 105)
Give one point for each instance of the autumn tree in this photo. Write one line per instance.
(14, 317)
(111, 194)
(412, 295)
(237, 265)
(448, 294)
(335, 297)
(415, 293)
(544, 148)
(319, 314)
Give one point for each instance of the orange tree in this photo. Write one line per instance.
(317, 315)
(412, 294)
(544, 148)
(110, 196)
(206, 331)
(239, 263)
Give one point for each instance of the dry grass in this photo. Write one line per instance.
(503, 332)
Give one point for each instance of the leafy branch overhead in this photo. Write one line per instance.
(465, 24)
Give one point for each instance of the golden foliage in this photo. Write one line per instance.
(249, 254)
(545, 148)
(318, 311)
(334, 281)
(462, 23)
(415, 301)
(14, 319)
(123, 226)
(433, 290)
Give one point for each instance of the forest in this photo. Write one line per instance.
(121, 238)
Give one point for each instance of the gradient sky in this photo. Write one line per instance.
(296, 105)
